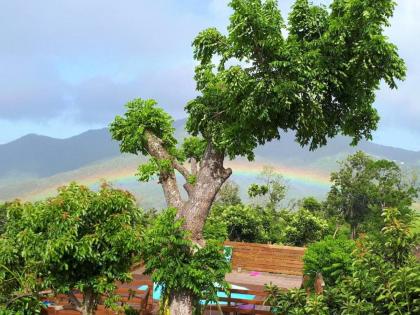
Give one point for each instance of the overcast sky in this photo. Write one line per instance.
(70, 65)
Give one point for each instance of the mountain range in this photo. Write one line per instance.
(32, 167)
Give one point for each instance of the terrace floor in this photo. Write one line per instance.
(251, 280)
(245, 278)
(257, 280)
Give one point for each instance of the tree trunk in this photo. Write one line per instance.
(353, 231)
(209, 178)
(181, 303)
(89, 302)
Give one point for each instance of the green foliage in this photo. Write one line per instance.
(248, 223)
(255, 190)
(178, 265)
(274, 188)
(193, 147)
(375, 284)
(79, 239)
(295, 301)
(142, 116)
(19, 290)
(215, 229)
(363, 187)
(318, 81)
(331, 257)
(243, 223)
(396, 242)
(401, 294)
(3, 217)
(304, 228)
(152, 168)
(311, 204)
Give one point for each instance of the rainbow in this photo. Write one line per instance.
(300, 176)
(123, 175)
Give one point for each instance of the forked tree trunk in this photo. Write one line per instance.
(209, 179)
(195, 211)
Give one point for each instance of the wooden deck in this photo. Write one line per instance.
(251, 280)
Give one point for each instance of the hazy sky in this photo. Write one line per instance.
(71, 65)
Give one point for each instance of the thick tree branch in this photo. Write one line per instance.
(181, 169)
(167, 178)
(194, 166)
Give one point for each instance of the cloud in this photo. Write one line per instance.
(92, 56)
(79, 61)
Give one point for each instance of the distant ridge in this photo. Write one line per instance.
(35, 156)
(40, 156)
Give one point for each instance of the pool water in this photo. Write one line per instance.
(157, 292)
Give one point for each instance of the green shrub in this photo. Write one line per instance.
(239, 223)
(331, 257)
(304, 228)
(179, 265)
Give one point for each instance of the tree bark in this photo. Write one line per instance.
(210, 179)
(89, 305)
(181, 303)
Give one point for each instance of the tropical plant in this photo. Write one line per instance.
(331, 257)
(304, 228)
(376, 283)
(78, 240)
(179, 265)
(254, 82)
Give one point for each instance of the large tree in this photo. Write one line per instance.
(254, 83)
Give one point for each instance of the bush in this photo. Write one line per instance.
(79, 239)
(331, 257)
(241, 223)
(305, 227)
(383, 279)
(179, 265)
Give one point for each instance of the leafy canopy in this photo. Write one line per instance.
(142, 116)
(319, 81)
(79, 239)
(364, 186)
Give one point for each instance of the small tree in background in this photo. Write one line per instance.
(311, 204)
(228, 194)
(79, 239)
(304, 228)
(272, 191)
(254, 83)
(363, 187)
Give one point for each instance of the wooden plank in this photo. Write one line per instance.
(267, 257)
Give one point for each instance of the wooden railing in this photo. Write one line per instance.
(267, 258)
